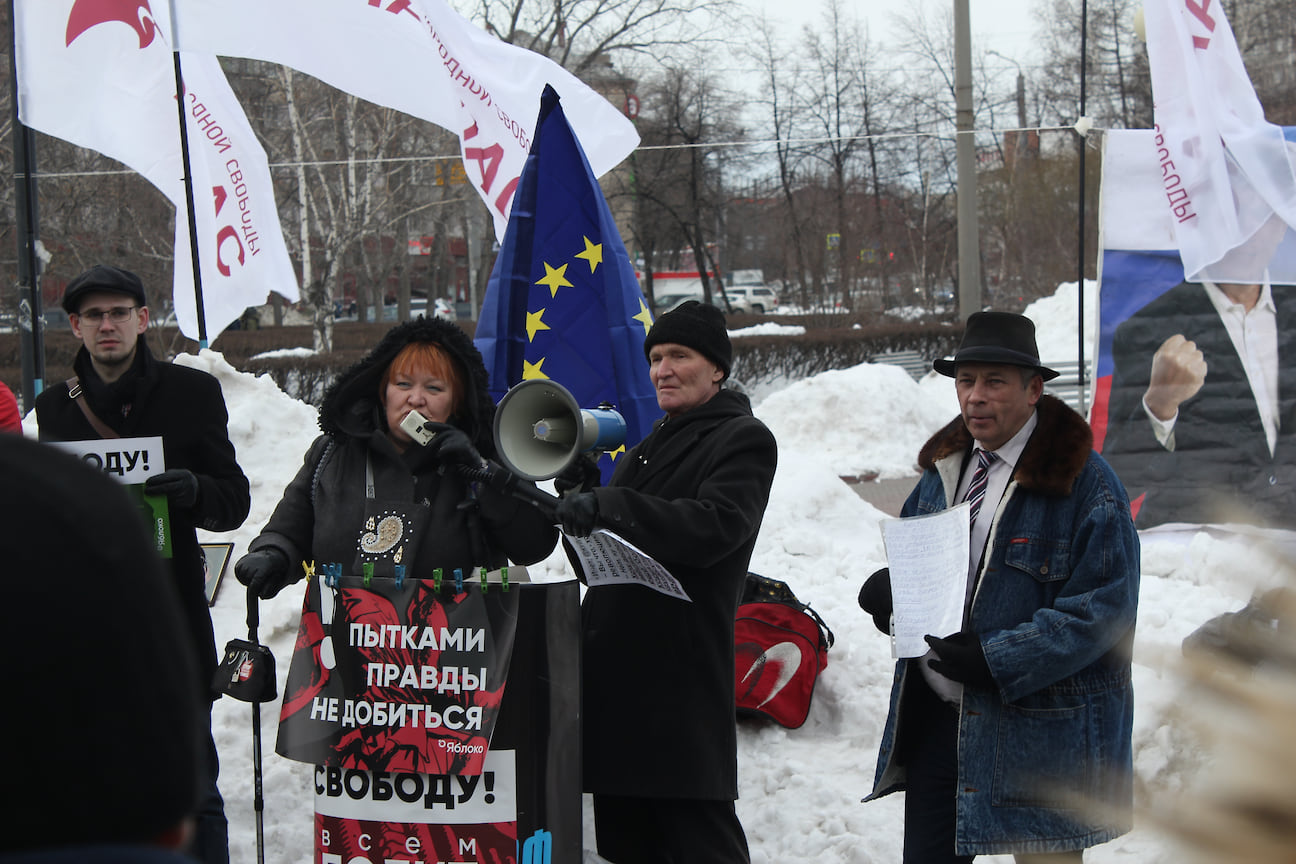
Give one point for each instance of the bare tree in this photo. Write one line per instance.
(1266, 35)
(1118, 87)
(927, 43)
(578, 34)
(831, 109)
(780, 82)
(844, 112)
(359, 182)
(678, 174)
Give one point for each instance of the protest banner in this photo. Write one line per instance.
(401, 697)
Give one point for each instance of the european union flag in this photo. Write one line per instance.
(563, 302)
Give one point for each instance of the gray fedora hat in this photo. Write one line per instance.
(997, 337)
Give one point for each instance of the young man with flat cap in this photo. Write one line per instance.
(660, 736)
(1003, 731)
(121, 390)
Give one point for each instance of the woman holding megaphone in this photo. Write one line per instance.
(387, 485)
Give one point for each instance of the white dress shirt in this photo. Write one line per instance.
(1254, 335)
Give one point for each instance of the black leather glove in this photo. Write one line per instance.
(264, 572)
(875, 599)
(577, 513)
(179, 485)
(959, 657)
(451, 446)
(581, 475)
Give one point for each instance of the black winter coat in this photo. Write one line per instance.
(186, 408)
(658, 675)
(322, 514)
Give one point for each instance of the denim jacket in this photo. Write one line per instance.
(1054, 609)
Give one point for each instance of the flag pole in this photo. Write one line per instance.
(1081, 377)
(189, 204)
(30, 320)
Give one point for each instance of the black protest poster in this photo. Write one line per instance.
(523, 807)
(397, 679)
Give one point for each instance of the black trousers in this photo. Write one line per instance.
(929, 751)
(668, 831)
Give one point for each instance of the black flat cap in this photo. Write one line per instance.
(103, 277)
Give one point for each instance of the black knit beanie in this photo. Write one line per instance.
(103, 712)
(694, 325)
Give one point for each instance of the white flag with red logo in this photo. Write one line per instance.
(1227, 174)
(420, 57)
(100, 74)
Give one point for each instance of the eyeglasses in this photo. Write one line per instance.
(117, 315)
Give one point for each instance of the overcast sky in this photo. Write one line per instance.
(1007, 26)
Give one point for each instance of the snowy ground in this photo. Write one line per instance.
(800, 789)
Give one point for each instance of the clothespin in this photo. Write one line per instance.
(330, 575)
(504, 577)
(483, 579)
(400, 575)
(367, 569)
(458, 574)
(309, 570)
(436, 580)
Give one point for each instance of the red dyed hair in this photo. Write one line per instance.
(427, 357)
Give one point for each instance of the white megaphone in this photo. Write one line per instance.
(540, 430)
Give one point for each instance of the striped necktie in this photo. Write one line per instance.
(977, 488)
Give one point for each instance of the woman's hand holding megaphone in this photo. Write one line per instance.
(451, 446)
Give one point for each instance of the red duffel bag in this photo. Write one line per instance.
(780, 647)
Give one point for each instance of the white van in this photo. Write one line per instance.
(757, 299)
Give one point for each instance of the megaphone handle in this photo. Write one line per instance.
(508, 482)
(546, 503)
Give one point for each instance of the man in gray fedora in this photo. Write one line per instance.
(1002, 732)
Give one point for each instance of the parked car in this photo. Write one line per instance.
(418, 306)
(667, 302)
(757, 299)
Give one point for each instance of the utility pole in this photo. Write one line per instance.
(1021, 101)
(1019, 139)
(30, 316)
(1016, 157)
(969, 247)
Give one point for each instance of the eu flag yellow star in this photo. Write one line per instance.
(644, 317)
(531, 371)
(554, 279)
(534, 324)
(593, 253)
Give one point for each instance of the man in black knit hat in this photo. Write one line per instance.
(121, 390)
(660, 738)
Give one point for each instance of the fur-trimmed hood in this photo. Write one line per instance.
(1053, 458)
(351, 405)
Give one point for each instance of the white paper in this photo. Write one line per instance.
(130, 460)
(928, 559)
(609, 560)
